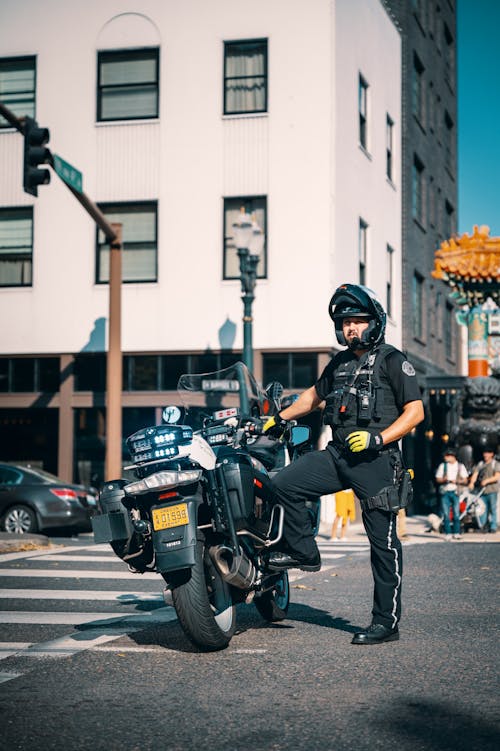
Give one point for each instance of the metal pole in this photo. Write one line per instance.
(248, 275)
(113, 467)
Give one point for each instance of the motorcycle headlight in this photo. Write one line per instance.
(163, 481)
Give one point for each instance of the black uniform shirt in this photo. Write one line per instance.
(395, 371)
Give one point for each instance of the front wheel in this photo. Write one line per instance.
(273, 604)
(204, 604)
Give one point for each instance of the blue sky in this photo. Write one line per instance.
(478, 60)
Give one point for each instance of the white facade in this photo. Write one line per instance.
(303, 154)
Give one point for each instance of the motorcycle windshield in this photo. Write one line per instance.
(202, 394)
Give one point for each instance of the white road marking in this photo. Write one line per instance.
(79, 558)
(94, 620)
(77, 594)
(8, 676)
(53, 573)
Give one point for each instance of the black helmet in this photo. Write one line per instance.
(351, 300)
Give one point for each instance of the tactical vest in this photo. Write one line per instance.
(357, 398)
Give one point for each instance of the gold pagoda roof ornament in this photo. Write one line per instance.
(470, 265)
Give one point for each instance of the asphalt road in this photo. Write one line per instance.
(296, 685)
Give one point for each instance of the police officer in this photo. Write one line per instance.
(372, 399)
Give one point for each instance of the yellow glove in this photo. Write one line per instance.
(361, 440)
(275, 427)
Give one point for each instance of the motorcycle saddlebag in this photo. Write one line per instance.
(113, 523)
(239, 476)
(174, 534)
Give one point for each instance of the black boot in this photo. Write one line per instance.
(376, 634)
(279, 561)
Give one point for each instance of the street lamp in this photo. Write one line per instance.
(249, 241)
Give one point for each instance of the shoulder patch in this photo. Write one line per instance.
(407, 368)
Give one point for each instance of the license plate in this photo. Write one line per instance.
(170, 516)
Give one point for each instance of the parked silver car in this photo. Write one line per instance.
(32, 500)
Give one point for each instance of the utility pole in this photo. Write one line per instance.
(35, 152)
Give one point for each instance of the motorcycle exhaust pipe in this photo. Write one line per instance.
(237, 570)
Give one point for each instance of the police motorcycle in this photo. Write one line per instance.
(200, 511)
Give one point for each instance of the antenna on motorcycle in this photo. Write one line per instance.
(274, 390)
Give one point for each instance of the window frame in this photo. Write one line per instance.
(101, 54)
(418, 90)
(29, 212)
(246, 202)
(389, 148)
(389, 287)
(418, 305)
(363, 105)
(291, 369)
(418, 191)
(241, 42)
(114, 207)
(363, 227)
(19, 59)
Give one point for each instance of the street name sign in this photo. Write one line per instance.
(68, 173)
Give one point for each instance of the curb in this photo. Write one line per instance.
(14, 543)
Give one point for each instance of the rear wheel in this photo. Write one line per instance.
(204, 604)
(273, 604)
(19, 519)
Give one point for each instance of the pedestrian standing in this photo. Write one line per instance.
(449, 476)
(372, 399)
(345, 512)
(486, 475)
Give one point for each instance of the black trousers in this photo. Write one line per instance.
(328, 471)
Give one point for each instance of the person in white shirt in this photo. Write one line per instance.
(449, 476)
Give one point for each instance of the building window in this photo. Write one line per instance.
(389, 148)
(390, 281)
(256, 205)
(418, 190)
(363, 112)
(128, 84)
(418, 305)
(449, 219)
(362, 250)
(291, 369)
(449, 136)
(16, 247)
(449, 55)
(29, 374)
(431, 209)
(90, 372)
(18, 86)
(418, 89)
(140, 247)
(448, 331)
(245, 76)
(141, 373)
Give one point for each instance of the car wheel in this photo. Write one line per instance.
(20, 520)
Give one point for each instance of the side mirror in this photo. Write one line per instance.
(300, 434)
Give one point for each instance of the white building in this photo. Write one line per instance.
(177, 114)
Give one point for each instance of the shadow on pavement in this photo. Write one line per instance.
(440, 726)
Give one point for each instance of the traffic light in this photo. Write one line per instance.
(35, 153)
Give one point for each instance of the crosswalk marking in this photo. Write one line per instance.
(112, 558)
(97, 630)
(52, 573)
(97, 620)
(77, 594)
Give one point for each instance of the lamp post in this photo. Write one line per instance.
(249, 241)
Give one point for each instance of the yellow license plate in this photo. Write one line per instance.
(170, 516)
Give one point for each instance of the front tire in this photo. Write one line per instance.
(20, 520)
(204, 604)
(273, 604)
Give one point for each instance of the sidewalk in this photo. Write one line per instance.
(416, 533)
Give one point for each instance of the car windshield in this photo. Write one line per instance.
(201, 394)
